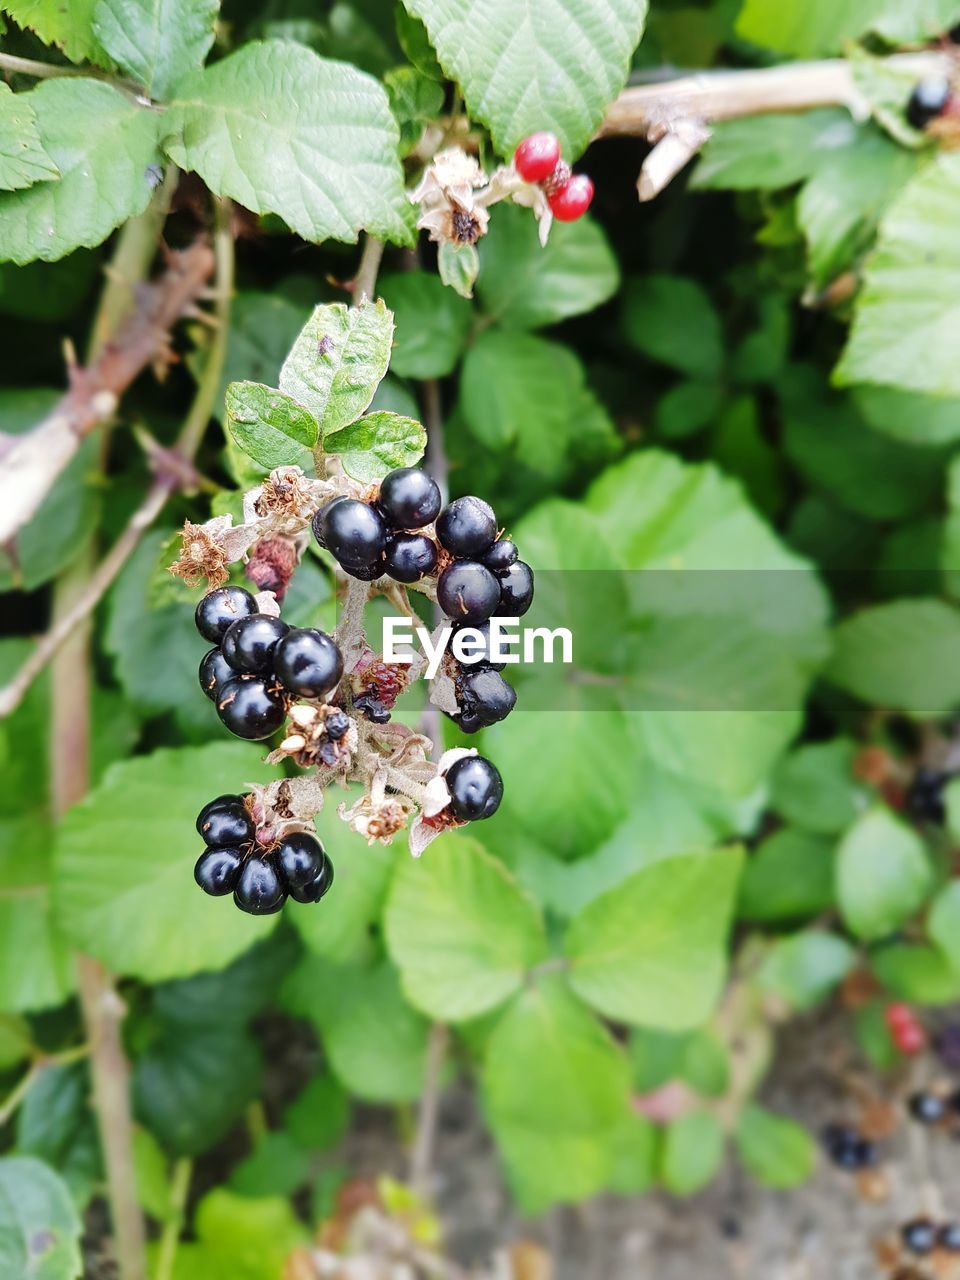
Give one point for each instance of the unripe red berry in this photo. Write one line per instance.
(536, 157)
(572, 201)
(905, 1030)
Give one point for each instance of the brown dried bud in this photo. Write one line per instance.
(271, 565)
(376, 685)
(319, 735)
(284, 493)
(202, 556)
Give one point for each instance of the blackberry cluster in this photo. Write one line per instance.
(370, 539)
(259, 871)
(484, 577)
(847, 1148)
(259, 664)
(923, 1236)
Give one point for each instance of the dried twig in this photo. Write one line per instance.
(421, 1157)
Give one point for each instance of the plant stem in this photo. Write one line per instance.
(179, 1190)
(421, 1158)
(365, 281)
(15, 65)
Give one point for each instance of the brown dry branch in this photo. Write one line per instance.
(32, 462)
(676, 114)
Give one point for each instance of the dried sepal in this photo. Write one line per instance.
(377, 815)
(450, 212)
(308, 743)
(506, 184)
(202, 555)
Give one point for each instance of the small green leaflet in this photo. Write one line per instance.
(377, 444)
(156, 42)
(39, 1227)
(267, 425)
(23, 160)
(458, 267)
(69, 25)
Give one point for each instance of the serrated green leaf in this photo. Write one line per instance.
(691, 1153)
(284, 131)
(68, 25)
(143, 916)
(652, 951)
(377, 444)
(23, 161)
(767, 152)
(462, 932)
(458, 266)
(415, 100)
(882, 874)
(268, 426)
(104, 148)
(788, 876)
(525, 286)
(39, 1227)
(671, 320)
(916, 972)
(431, 324)
(775, 1149)
(907, 310)
(338, 360)
(814, 787)
(56, 1124)
(805, 29)
(805, 967)
(540, 64)
(35, 967)
(900, 655)
(156, 42)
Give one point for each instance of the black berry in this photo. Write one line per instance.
(500, 556)
(516, 590)
(214, 671)
(409, 556)
(308, 663)
(248, 645)
(318, 886)
(409, 498)
(928, 1108)
(300, 859)
(467, 592)
(225, 821)
(479, 645)
(354, 533)
(928, 100)
(336, 725)
(949, 1237)
(484, 698)
(218, 870)
(476, 788)
(847, 1148)
(259, 889)
(372, 708)
(250, 708)
(925, 796)
(467, 526)
(919, 1235)
(220, 609)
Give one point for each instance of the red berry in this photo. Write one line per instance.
(572, 201)
(899, 1015)
(907, 1033)
(536, 157)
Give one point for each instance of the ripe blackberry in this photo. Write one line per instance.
(336, 725)
(480, 644)
(500, 556)
(259, 889)
(409, 498)
(318, 886)
(929, 100)
(354, 533)
(928, 1108)
(484, 698)
(948, 1237)
(516, 590)
(219, 609)
(218, 870)
(847, 1148)
(467, 526)
(248, 644)
(468, 592)
(410, 556)
(475, 787)
(308, 663)
(225, 821)
(919, 1235)
(925, 796)
(250, 707)
(300, 859)
(214, 671)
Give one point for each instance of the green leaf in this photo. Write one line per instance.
(23, 160)
(56, 1124)
(914, 972)
(633, 1155)
(814, 787)
(68, 25)
(805, 968)
(240, 1238)
(39, 1227)
(901, 655)
(263, 328)
(377, 444)
(776, 1150)
(653, 950)
(806, 29)
(525, 286)
(907, 309)
(156, 42)
(692, 1152)
(553, 1074)
(943, 923)
(883, 874)
(35, 966)
(276, 1166)
(687, 408)
(284, 131)
(141, 915)
(415, 100)
(104, 147)
(768, 152)
(789, 876)
(542, 64)
(267, 425)
(524, 394)
(319, 1115)
(462, 932)
(376, 1043)
(338, 360)
(907, 416)
(671, 320)
(458, 266)
(431, 324)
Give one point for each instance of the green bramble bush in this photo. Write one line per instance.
(719, 426)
